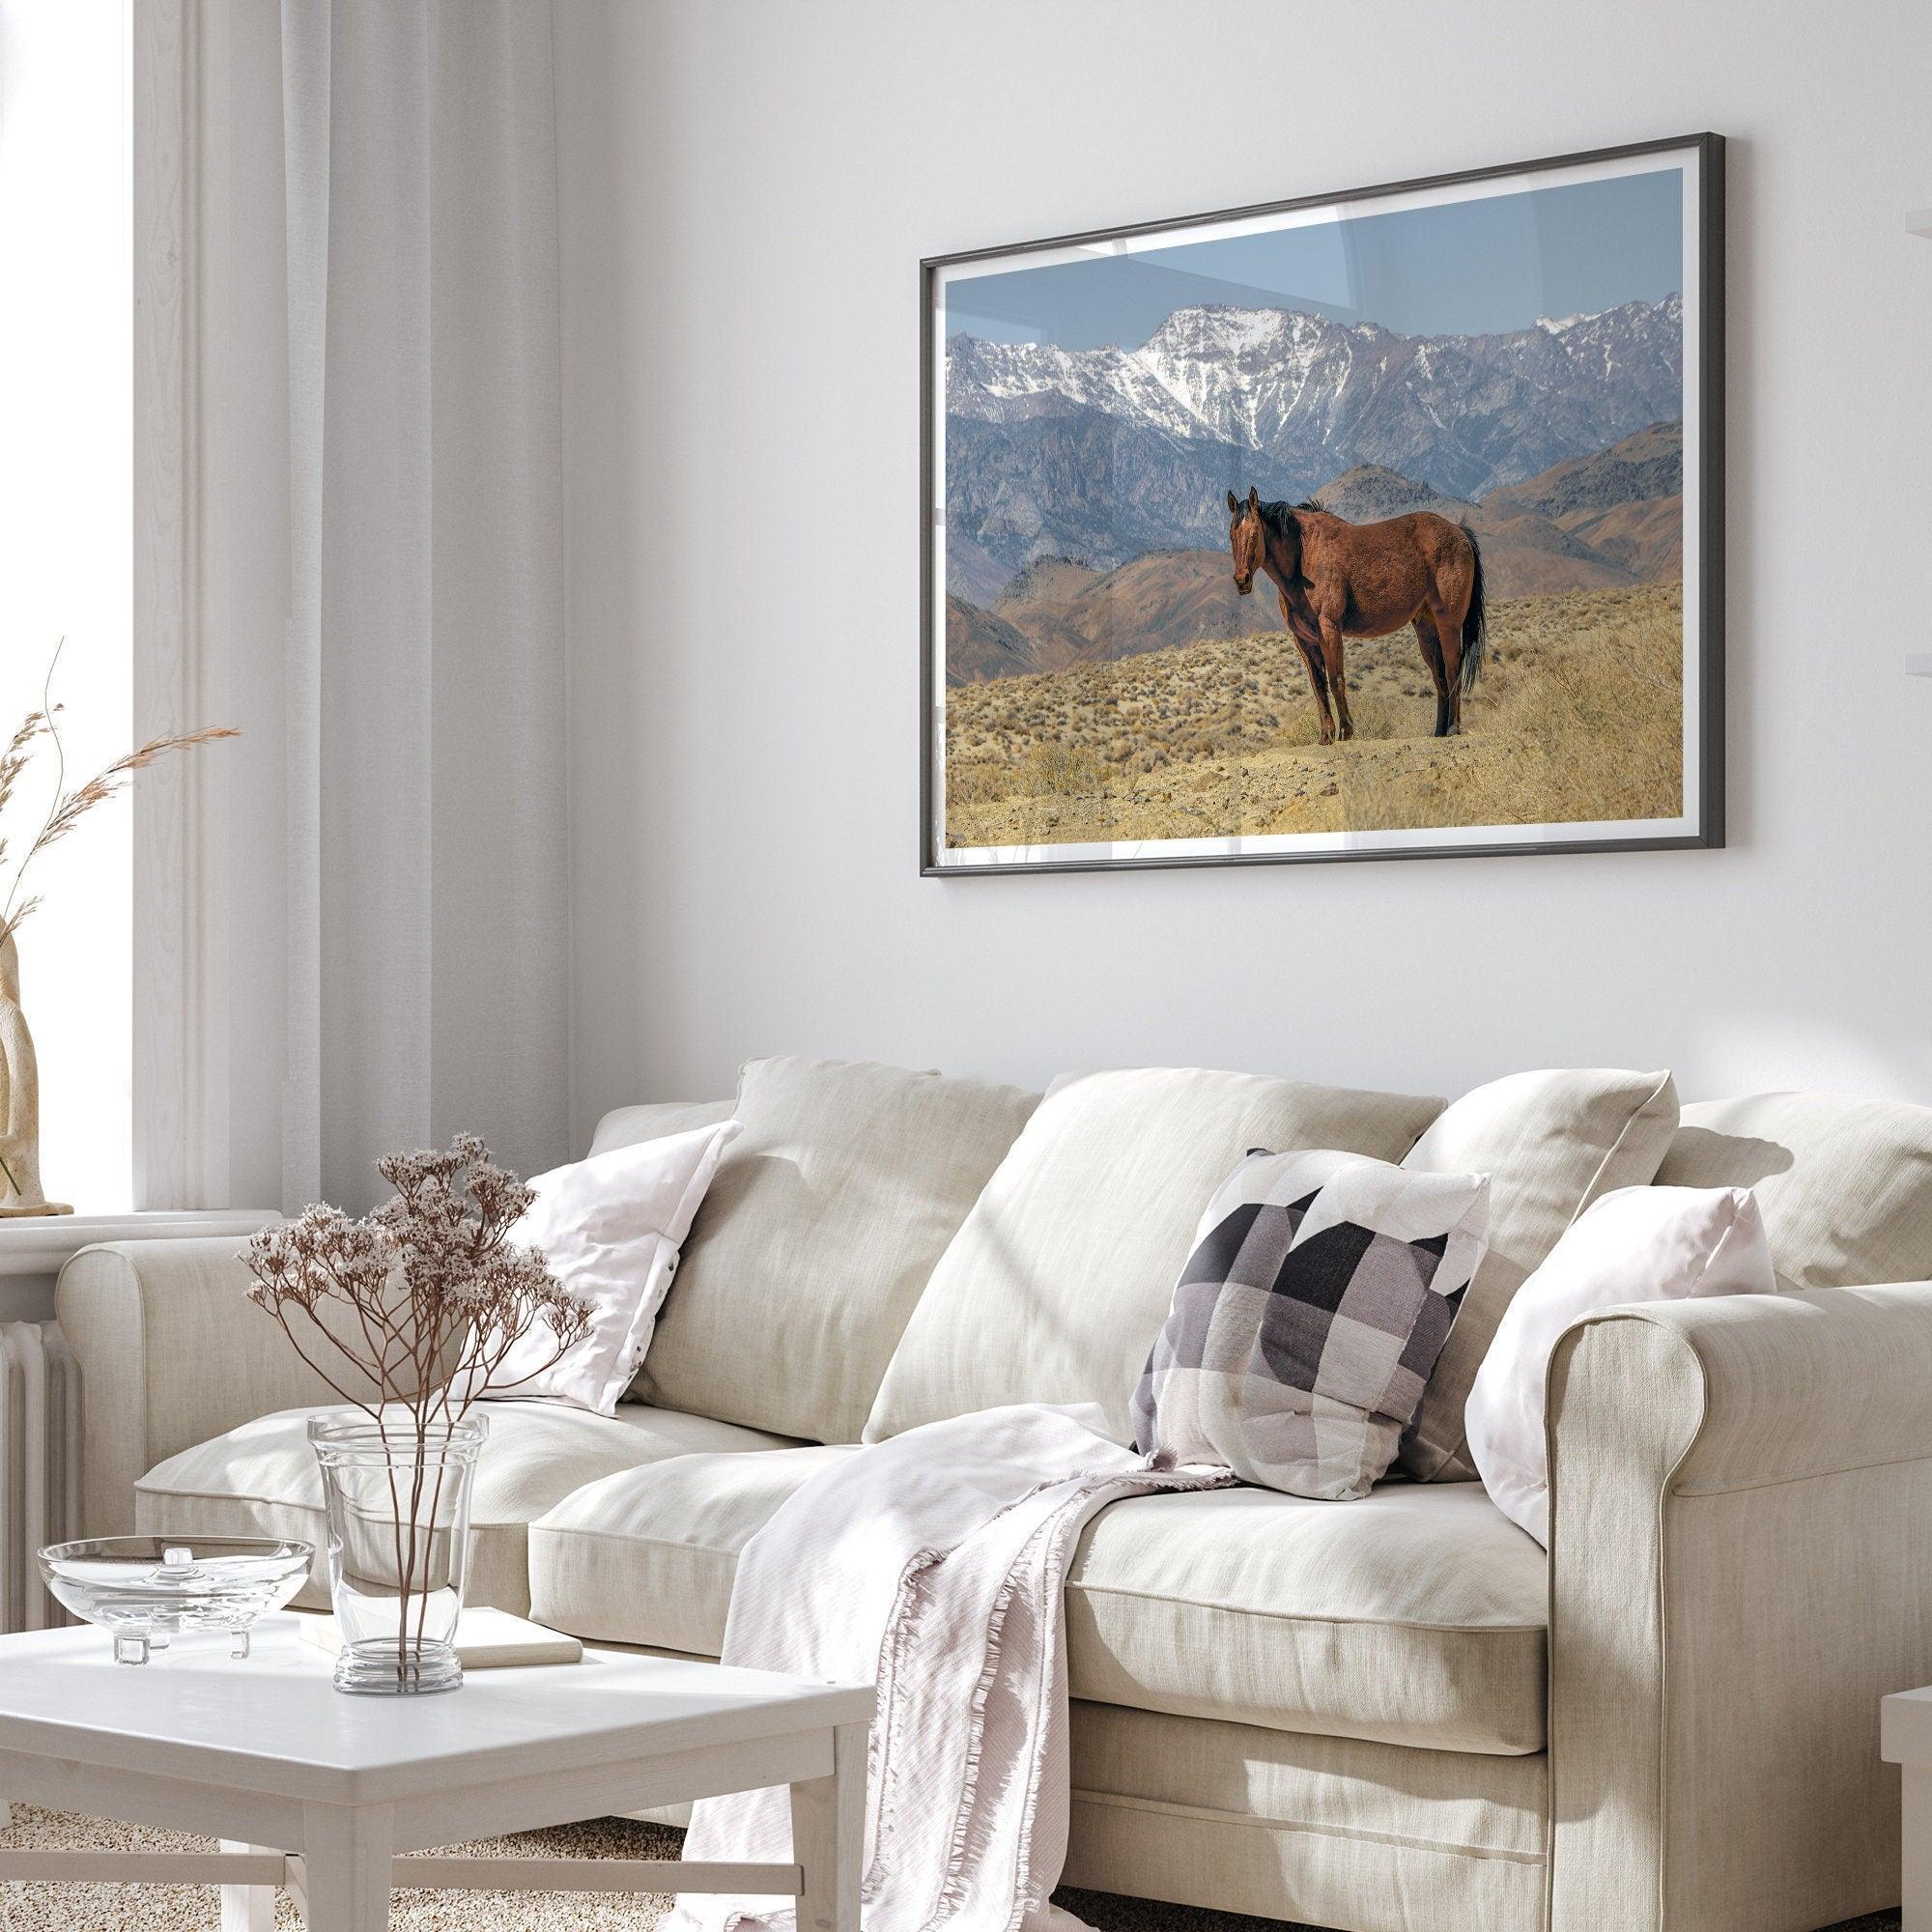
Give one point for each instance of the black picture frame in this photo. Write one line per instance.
(1708, 351)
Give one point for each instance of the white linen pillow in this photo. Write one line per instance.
(1638, 1244)
(610, 1227)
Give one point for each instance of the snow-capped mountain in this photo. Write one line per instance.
(1105, 453)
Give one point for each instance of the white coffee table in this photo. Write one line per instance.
(320, 1792)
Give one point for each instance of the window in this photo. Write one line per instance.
(65, 545)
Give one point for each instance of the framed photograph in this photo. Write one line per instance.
(1377, 525)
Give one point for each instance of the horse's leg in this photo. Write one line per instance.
(1331, 657)
(1431, 656)
(1449, 598)
(1449, 632)
(1318, 683)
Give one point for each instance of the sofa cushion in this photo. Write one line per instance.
(1285, 1826)
(261, 1479)
(1551, 1142)
(626, 1126)
(1844, 1183)
(1414, 1616)
(625, 1561)
(1060, 1280)
(816, 1239)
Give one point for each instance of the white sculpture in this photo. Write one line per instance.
(20, 1100)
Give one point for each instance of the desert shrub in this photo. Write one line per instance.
(1578, 717)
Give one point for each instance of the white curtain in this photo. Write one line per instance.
(427, 915)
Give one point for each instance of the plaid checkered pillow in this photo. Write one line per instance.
(1306, 1321)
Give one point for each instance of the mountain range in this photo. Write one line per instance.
(1108, 453)
(1610, 518)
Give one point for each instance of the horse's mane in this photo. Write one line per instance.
(1279, 516)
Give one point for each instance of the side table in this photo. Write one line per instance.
(1905, 1739)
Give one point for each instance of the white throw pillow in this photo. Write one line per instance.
(611, 1227)
(1638, 1244)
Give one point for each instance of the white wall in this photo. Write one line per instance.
(746, 188)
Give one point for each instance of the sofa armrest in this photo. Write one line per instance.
(171, 1353)
(1741, 1566)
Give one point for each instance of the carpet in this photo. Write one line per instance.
(188, 1908)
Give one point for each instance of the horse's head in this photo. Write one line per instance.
(1246, 538)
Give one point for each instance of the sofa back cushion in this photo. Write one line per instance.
(1551, 1142)
(1061, 1278)
(816, 1237)
(628, 1127)
(1844, 1183)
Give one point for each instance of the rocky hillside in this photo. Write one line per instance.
(1568, 530)
(1645, 539)
(1647, 464)
(980, 646)
(1625, 502)
(972, 573)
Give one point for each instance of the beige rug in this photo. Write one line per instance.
(195, 1907)
(188, 1908)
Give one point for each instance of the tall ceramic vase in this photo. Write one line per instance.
(397, 1496)
(20, 1100)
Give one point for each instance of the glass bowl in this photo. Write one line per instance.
(144, 1590)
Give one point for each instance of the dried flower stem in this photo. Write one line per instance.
(67, 808)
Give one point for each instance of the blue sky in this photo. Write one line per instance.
(1470, 268)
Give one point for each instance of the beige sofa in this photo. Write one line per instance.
(1397, 1713)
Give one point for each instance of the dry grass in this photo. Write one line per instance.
(1577, 718)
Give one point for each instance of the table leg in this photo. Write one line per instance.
(346, 1853)
(828, 1831)
(1915, 1848)
(247, 1908)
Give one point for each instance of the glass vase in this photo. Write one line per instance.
(397, 1496)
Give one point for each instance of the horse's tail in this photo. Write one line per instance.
(1475, 623)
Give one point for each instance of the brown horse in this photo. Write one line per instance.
(1339, 579)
